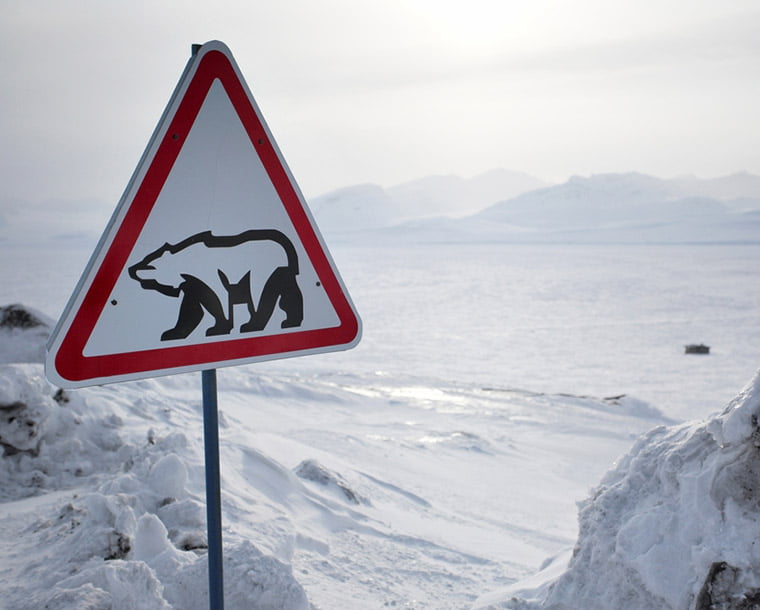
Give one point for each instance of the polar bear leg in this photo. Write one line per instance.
(197, 296)
(281, 286)
(291, 302)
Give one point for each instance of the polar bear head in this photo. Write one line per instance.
(160, 270)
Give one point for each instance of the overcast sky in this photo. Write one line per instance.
(359, 91)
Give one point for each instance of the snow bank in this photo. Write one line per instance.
(674, 525)
(103, 510)
(138, 539)
(51, 439)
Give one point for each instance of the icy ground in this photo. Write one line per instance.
(371, 479)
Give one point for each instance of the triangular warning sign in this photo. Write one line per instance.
(211, 258)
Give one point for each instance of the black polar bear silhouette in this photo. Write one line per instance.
(206, 268)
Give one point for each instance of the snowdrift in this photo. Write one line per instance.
(100, 511)
(674, 526)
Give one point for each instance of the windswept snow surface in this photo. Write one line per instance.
(436, 464)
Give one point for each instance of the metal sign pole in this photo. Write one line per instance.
(213, 491)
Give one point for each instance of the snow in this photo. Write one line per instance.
(519, 428)
(678, 510)
(118, 518)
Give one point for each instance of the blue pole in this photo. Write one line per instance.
(213, 491)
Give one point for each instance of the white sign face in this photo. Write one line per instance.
(211, 258)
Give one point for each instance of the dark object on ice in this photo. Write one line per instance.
(16, 316)
(722, 589)
(697, 349)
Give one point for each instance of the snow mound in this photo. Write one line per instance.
(674, 525)
(251, 579)
(102, 502)
(312, 470)
(49, 437)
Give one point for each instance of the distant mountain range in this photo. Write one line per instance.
(499, 206)
(513, 207)
(369, 206)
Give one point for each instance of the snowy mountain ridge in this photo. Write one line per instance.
(498, 205)
(370, 206)
(454, 196)
(605, 201)
(627, 208)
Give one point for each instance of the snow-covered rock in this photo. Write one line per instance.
(312, 470)
(674, 526)
(23, 334)
(115, 524)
